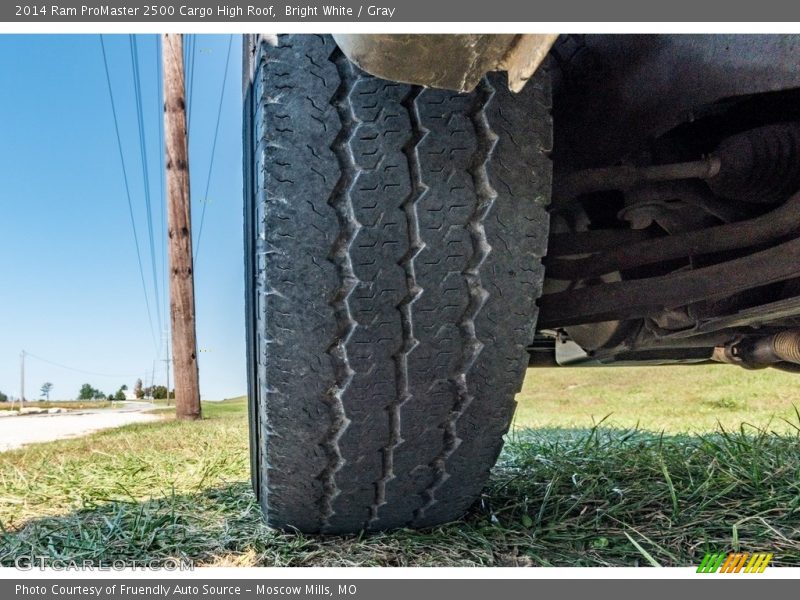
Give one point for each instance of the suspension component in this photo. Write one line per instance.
(624, 177)
(636, 298)
(780, 222)
(760, 165)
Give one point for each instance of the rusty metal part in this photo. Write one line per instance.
(646, 204)
(721, 355)
(756, 316)
(772, 226)
(455, 62)
(624, 177)
(569, 353)
(786, 346)
(672, 215)
(647, 339)
(644, 297)
(647, 357)
(762, 351)
(524, 57)
(760, 165)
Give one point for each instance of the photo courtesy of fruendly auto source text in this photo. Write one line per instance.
(432, 299)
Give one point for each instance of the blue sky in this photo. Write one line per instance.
(70, 288)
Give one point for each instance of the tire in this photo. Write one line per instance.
(394, 236)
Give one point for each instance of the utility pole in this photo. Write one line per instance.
(22, 379)
(181, 278)
(167, 360)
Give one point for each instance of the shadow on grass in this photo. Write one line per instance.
(561, 497)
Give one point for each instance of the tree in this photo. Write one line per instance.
(159, 392)
(3, 397)
(120, 395)
(138, 391)
(47, 387)
(87, 392)
(90, 393)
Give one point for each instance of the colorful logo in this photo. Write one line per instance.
(735, 562)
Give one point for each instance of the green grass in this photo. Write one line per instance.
(562, 495)
(681, 399)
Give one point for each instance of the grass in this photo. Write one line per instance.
(681, 399)
(568, 494)
(69, 404)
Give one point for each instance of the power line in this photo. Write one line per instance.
(191, 53)
(137, 84)
(82, 371)
(127, 188)
(213, 150)
(161, 191)
(164, 219)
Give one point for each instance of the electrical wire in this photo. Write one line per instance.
(137, 84)
(213, 151)
(162, 160)
(191, 54)
(127, 189)
(82, 371)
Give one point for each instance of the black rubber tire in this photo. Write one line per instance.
(395, 236)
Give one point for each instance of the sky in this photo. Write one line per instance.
(71, 293)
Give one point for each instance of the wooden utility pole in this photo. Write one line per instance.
(179, 222)
(166, 362)
(22, 380)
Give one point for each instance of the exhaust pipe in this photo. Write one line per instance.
(757, 353)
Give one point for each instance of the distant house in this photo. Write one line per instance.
(130, 395)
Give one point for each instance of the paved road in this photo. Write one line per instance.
(18, 431)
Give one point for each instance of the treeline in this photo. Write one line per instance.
(156, 392)
(89, 392)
